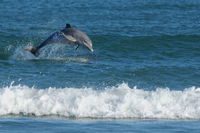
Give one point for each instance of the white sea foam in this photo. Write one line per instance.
(114, 102)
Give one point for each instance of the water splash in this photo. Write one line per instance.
(52, 52)
(20, 54)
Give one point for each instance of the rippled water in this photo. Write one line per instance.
(145, 65)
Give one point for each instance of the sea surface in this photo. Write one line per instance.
(143, 76)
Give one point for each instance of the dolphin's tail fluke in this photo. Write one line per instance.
(33, 50)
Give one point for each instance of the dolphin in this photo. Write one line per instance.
(69, 35)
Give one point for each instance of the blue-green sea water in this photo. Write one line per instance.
(143, 76)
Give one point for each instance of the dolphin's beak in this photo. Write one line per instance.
(90, 48)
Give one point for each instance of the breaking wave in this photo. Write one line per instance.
(117, 102)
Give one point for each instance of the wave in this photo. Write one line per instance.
(117, 102)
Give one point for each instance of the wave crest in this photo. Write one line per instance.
(120, 102)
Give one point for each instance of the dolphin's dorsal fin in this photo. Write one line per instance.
(68, 26)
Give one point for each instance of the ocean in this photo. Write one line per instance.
(143, 76)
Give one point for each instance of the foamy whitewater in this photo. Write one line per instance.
(115, 102)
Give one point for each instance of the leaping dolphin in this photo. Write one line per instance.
(68, 35)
